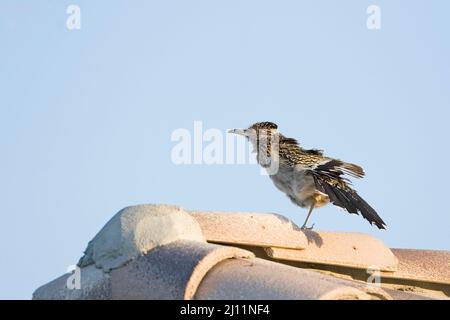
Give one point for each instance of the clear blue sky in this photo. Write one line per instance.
(86, 115)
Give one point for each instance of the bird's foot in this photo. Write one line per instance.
(304, 227)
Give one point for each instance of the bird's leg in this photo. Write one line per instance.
(304, 227)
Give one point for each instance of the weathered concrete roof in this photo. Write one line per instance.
(427, 265)
(173, 271)
(255, 229)
(165, 252)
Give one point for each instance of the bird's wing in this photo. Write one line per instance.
(294, 156)
(313, 159)
(328, 179)
(339, 168)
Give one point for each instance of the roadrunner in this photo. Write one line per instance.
(310, 179)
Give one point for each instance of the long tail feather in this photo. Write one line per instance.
(343, 196)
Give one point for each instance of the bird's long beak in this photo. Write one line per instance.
(238, 131)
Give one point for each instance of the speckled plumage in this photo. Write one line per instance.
(306, 176)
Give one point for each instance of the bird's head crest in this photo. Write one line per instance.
(256, 130)
(263, 126)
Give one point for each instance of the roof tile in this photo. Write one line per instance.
(256, 229)
(355, 250)
(259, 279)
(422, 265)
(172, 271)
